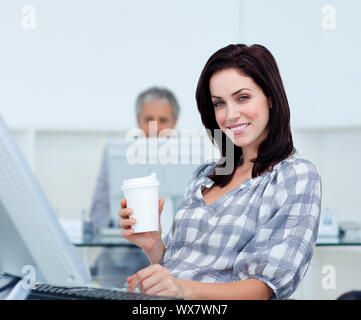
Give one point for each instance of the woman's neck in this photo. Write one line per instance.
(247, 156)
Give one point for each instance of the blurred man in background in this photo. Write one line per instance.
(153, 106)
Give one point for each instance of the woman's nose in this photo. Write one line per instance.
(232, 112)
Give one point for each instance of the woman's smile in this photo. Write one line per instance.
(239, 128)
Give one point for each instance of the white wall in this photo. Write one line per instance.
(86, 61)
(319, 65)
(337, 154)
(333, 271)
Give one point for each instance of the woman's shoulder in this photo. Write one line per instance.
(204, 169)
(295, 178)
(296, 167)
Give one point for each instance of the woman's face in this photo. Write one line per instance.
(241, 108)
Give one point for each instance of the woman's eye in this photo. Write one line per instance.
(218, 104)
(242, 98)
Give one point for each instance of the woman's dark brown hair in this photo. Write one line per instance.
(258, 63)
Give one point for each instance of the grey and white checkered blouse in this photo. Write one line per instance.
(265, 229)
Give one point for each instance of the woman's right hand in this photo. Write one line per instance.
(145, 240)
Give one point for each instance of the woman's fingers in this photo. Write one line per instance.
(123, 203)
(160, 205)
(125, 213)
(127, 232)
(154, 280)
(130, 278)
(126, 223)
(142, 275)
(154, 285)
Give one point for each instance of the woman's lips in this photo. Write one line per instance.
(239, 129)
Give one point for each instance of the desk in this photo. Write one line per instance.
(339, 241)
(98, 240)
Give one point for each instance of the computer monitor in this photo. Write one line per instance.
(172, 159)
(30, 232)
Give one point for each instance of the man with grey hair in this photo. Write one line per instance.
(157, 105)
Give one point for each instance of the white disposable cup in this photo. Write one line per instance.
(142, 197)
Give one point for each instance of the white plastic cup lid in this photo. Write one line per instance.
(148, 181)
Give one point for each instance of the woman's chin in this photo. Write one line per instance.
(238, 141)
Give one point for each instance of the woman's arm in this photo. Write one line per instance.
(157, 280)
(156, 254)
(250, 289)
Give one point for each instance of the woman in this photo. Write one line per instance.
(248, 233)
